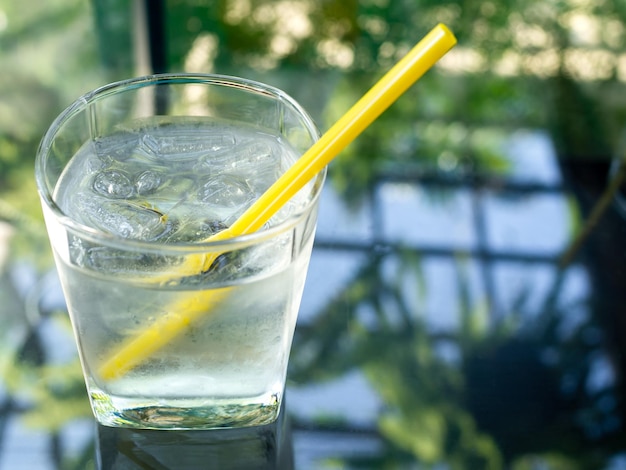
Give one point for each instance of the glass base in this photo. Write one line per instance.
(185, 414)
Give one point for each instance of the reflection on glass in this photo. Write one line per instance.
(263, 447)
(534, 384)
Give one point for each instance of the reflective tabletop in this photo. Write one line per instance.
(466, 298)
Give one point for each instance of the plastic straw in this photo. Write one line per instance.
(385, 92)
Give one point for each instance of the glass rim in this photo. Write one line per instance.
(113, 88)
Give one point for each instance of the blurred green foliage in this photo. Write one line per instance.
(48, 59)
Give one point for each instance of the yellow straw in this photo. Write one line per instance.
(386, 91)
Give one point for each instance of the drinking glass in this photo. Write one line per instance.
(175, 327)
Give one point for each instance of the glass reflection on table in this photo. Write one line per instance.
(256, 447)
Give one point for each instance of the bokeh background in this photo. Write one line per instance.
(466, 305)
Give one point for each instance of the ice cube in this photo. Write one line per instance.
(214, 226)
(77, 250)
(259, 163)
(111, 260)
(254, 154)
(180, 145)
(118, 149)
(108, 259)
(128, 220)
(174, 193)
(193, 229)
(226, 191)
(147, 182)
(113, 184)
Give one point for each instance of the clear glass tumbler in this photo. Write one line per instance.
(175, 328)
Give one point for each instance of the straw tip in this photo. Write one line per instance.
(445, 31)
